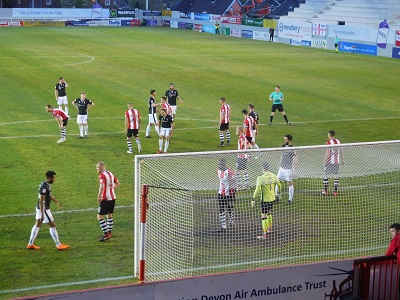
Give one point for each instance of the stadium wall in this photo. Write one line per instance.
(330, 280)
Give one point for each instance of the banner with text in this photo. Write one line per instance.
(253, 22)
(363, 34)
(319, 29)
(57, 13)
(358, 48)
(294, 30)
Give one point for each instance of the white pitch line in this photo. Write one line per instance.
(65, 284)
(62, 211)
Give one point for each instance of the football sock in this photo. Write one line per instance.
(246, 180)
(157, 129)
(60, 107)
(221, 137)
(81, 130)
(160, 143)
(66, 110)
(231, 212)
(34, 233)
(129, 145)
(228, 137)
(270, 119)
(264, 224)
(63, 133)
(336, 184)
(285, 117)
(238, 178)
(103, 225)
(291, 192)
(222, 219)
(255, 146)
(269, 221)
(138, 143)
(110, 223)
(166, 145)
(85, 129)
(326, 184)
(148, 130)
(54, 235)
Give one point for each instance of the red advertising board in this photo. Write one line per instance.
(198, 27)
(398, 38)
(231, 20)
(135, 22)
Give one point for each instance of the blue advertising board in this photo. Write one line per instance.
(358, 48)
(247, 34)
(76, 23)
(209, 29)
(202, 17)
(396, 52)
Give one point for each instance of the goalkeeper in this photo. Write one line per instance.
(265, 191)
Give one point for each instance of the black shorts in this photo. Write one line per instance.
(249, 138)
(106, 207)
(278, 107)
(335, 45)
(241, 164)
(266, 207)
(224, 126)
(132, 132)
(65, 122)
(332, 169)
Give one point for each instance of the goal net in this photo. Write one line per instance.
(184, 233)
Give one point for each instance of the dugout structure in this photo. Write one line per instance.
(183, 235)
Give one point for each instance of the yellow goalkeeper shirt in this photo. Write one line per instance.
(265, 188)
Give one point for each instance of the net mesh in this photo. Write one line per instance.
(184, 235)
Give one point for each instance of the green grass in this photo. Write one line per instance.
(353, 94)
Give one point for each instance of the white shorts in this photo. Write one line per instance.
(62, 100)
(48, 217)
(173, 110)
(153, 119)
(285, 174)
(165, 131)
(82, 119)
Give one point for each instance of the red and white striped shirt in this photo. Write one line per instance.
(224, 113)
(59, 113)
(225, 182)
(248, 125)
(107, 179)
(132, 116)
(167, 107)
(334, 154)
(243, 144)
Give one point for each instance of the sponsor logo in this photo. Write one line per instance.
(396, 52)
(114, 22)
(113, 13)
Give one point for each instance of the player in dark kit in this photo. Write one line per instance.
(43, 213)
(82, 105)
(61, 94)
(254, 115)
(152, 114)
(172, 95)
(167, 127)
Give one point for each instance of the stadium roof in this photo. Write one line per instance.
(217, 7)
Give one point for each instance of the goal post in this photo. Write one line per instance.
(185, 236)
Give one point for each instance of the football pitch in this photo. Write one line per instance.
(355, 95)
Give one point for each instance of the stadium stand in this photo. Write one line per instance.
(361, 13)
(273, 9)
(217, 7)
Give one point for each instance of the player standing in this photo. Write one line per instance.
(286, 169)
(152, 113)
(248, 125)
(265, 191)
(167, 127)
(254, 115)
(242, 159)
(224, 117)
(82, 105)
(165, 105)
(172, 95)
(62, 119)
(226, 193)
(61, 94)
(132, 126)
(277, 97)
(106, 200)
(43, 213)
(332, 163)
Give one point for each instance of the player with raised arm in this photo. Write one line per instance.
(167, 127)
(152, 114)
(248, 125)
(286, 169)
(254, 115)
(226, 193)
(172, 95)
(242, 159)
(106, 199)
(277, 97)
(43, 213)
(224, 117)
(61, 94)
(83, 105)
(332, 163)
(132, 126)
(265, 192)
(62, 119)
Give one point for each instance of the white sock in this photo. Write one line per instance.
(276, 191)
(255, 146)
(148, 130)
(81, 130)
(66, 109)
(60, 107)
(157, 129)
(54, 235)
(34, 233)
(160, 143)
(166, 145)
(85, 129)
(291, 192)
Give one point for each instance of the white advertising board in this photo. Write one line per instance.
(295, 30)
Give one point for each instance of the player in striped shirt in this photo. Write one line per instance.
(242, 159)
(224, 117)
(106, 199)
(132, 125)
(248, 125)
(265, 191)
(333, 158)
(226, 193)
(62, 119)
